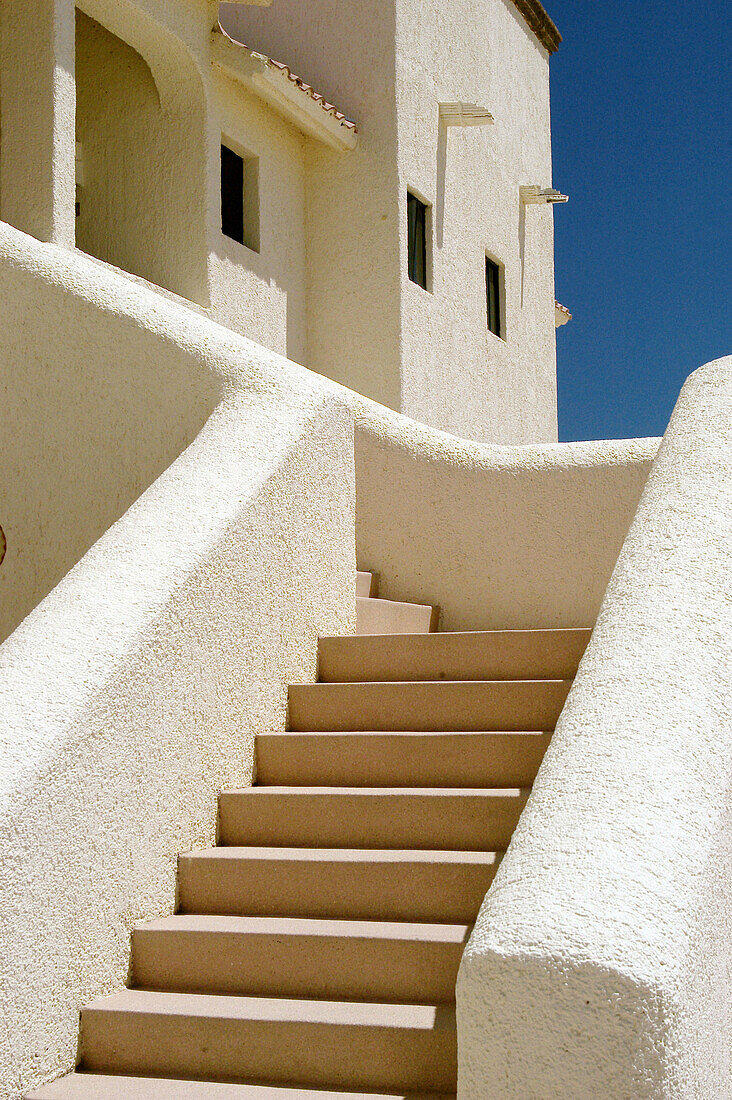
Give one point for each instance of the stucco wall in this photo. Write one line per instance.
(600, 963)
(498, 537)
(37, 118)
(428, 355)
(346, 52)
(456, 375)
(132, 692)
(141, 181)
(262, 294)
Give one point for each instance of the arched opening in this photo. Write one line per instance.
(139, 191)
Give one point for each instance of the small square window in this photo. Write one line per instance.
(417, 240)
(240, 197)
(493, 296)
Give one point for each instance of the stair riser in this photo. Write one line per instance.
(451, 893)
(375, 616)
(311, 1054)
(400, 760)
(329, 968)
(469, 706)
(484, 822)
(500, 655)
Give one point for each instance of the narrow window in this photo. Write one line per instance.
(417, 240)
(240, 198)
(493, 296)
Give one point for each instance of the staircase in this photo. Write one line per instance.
(315, 950)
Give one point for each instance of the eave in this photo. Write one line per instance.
(294, 100)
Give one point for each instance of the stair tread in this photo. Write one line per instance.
(308, 926)
(343, 855)
(277, 1010)
(377, 792)
(443, 638)
(94, 1086)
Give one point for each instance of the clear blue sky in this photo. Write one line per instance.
(642, 124)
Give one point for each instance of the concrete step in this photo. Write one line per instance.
(94, 1086)
(478, 655)
(367, 584)
(277, 1040)
(390, 617)
(294, 957)
(428, 705)
(408, 759)
(332, 883)
(361, 817)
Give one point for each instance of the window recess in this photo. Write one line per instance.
(417, 222)
(240, 197)
(493, 278)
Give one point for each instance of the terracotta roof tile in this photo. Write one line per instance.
(305, 88)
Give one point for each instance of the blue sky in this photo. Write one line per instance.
(642, 125)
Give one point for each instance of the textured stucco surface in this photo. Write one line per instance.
(600, 964)
(262, 294)
(141, 206)
(498, 537)
(37, 118)
(455, 374)
(132, 693)
(426, 354)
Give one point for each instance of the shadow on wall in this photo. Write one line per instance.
(140, 164)
(112, 422)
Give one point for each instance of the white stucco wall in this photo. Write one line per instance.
(498, 537)
(428, 355)
(262, 294)
(600, 963)
(142, 197)
(346, 52)
(132, 692)
(456, 375)
(37, 118)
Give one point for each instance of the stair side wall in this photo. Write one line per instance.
(599, 965)
(132, 693)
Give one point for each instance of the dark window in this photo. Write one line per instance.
(232, 194)
(240, 197)
(417, 240)
(493, 296)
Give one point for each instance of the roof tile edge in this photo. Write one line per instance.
(540, 23)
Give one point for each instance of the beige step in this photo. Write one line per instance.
(332, 883)
(390, 617)
(428, 705)
(364, 817)
(407, 759)
(478, 655)
(367, 584)
(94, 1086)
(319, 1043)
(296, 957)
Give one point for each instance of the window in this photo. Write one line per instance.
(417, 240)
(240, 197)
(493, 296)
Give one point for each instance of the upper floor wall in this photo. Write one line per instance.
(428, 351)
(457, 374)
(115, 148)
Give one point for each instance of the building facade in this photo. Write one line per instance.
(116, 150)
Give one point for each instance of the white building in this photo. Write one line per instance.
(257, 327)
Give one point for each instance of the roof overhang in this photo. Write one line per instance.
(540, 23)
(285, 93)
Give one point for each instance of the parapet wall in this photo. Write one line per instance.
(498, 537)
(600, 963)
(166, 454)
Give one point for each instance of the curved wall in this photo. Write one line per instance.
(600, 963)
(132, 693)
